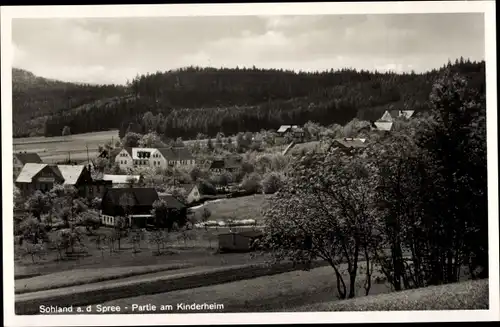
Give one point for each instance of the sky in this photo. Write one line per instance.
(114, 50)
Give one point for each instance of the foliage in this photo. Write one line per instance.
(33, 230)
(90, 220)
(132, 139)
(38, 203)
(167, 217)
(206, 187)
(272, 182)
(325, 211)
(251, 183)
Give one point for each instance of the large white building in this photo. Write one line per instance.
(129, 158)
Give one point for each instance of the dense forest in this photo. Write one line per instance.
(188, 101)
(36, 98)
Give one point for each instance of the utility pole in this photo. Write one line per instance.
(87, 147)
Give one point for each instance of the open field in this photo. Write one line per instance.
(268, 293)
(58, 148)
(246, 207)
(198, 248)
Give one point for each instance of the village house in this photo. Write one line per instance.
(391, 115)
(192, 193)
(238, 241)
(43, 177)
(129, 158)
(291, 132)
(229, 164)
(348, 144)
(22, 158)
(135, 204)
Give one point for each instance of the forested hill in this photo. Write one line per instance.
(35, 98)
(185, 102)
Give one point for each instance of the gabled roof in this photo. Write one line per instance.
(30, 170)
(384, 125)
(407, 113)
(71, 173)
(187, 187)
(171, 201)
(285, 128)
(395, 113)
(28, 157)
(176, 153)
(120, 179)
(351, 142)
(142, 196)
(387, 117)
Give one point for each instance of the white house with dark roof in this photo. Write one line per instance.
(129, 158)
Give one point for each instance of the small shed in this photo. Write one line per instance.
(238, 241)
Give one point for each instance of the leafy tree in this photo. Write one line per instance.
(120, 229)
(151, 140)
(38, 203)
(325, 211)
(131, 139)
(456, 152)
(33, 230)
(90, 220)
(251, 183)
(271, 183)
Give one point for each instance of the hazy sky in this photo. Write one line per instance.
(116, 49)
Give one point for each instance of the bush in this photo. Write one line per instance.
(251, 183)
(272, 182)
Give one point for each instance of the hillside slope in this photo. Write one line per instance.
(35, 98)
(185, 102)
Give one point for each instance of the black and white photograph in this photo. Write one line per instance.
(250, 163)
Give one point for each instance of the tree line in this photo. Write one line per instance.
(195, 100)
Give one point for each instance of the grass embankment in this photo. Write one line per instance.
(262, 294)
(468, 295)
(87, 276)
(29, 303)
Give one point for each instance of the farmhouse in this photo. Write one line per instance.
(238, 241)
(292, 132)
(43, 177)
(229, 164)
(22, 158)
(348, 144)
(135, 204)
(154, 158)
